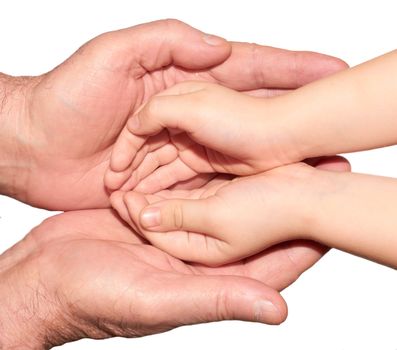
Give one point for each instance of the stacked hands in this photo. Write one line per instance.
(220, 154)
(202, 175)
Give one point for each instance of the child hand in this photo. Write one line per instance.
(197, 128)
(227, 219)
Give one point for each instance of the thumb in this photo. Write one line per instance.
(158, 44)
(194, 215)
(198, 299)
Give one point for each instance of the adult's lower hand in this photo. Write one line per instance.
(85, 274)
(57, 130)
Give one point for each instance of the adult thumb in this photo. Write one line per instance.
(198, 299)
(158, 44)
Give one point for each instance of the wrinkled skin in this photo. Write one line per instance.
(85, 274)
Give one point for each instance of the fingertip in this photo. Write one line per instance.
(115, 198)
(135, 202)
(119, 162)
(251, 300)
(268, 305)
(150, 218)
(216, 43)
(320, 66)
(272, 312)
(117, 202)
(332, 65)
(115, 180)
(134, 123)
(325, 65)
(335, 163)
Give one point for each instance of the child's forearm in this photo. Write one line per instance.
(356, 213)
(350, 111)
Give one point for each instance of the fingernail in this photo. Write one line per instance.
(263, 309)
(213, 40)
(151, 217)
(134, 123)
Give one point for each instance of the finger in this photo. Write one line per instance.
(171, 111)
(161, 43)
(160, 157)
(253, 66)
(197, 215)
(281, 265)
(125, 149)
(117, 202)
(152, 143)
(196, 182)
(334, 163)
(116, 180)
(181, 244)
(191, 299)
(130, 150)
(165, 177)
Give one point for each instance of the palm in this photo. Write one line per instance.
(112, 280)
(76, 112)
(98, 250)
(90, 113)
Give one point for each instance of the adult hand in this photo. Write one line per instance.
(85, 274)
(65, 122)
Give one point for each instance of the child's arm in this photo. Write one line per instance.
(225, 131)
(356, 213)
(350, 111)
(232, 220)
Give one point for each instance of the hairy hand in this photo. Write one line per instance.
(86, 274)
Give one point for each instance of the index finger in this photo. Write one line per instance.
(253, 66)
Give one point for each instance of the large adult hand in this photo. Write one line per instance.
(85, 274)
(65, 122)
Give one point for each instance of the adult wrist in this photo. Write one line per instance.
(31, 314)
(15, 95)
(19, 326)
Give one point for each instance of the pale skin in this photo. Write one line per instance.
(85, 273)
(213, 129)
(227, 219)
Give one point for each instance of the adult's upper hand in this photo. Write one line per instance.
(85, 274)
(58, 128)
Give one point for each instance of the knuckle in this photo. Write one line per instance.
(257, 63)
(152, 108)
(128, 197)
(171, 23)
(177, 216)
(222, 305)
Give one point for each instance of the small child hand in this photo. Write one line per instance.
(196, 128)
(227, 219)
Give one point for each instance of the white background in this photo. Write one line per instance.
(343, 302)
